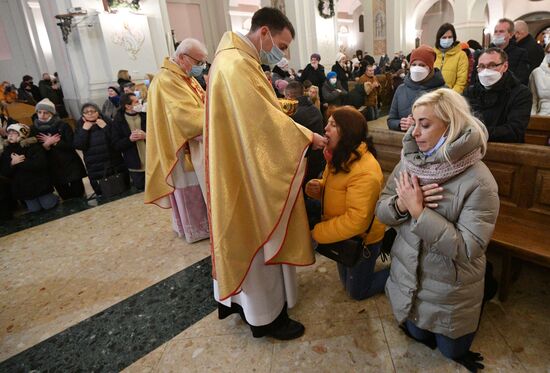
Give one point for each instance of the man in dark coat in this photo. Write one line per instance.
(525, 40)
(499, 100)
(518, 60)
(28, 91)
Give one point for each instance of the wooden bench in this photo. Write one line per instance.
(21, 112)
(538, 130)
(522, 172)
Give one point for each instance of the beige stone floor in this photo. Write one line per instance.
(343, 335)
(57, 274)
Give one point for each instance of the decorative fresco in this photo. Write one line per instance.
(379, 20)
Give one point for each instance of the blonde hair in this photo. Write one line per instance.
(450, 107)
(123, 74)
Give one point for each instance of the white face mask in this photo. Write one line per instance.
(332, 81)
(446, 43)
(489, 77)
(419, 73)
(499, 40)
(137, 108)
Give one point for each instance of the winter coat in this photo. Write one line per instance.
(332, 96)
(535, 52)
(539, 83)
(454, 67)
(371, 93)
(100, 156)
(504, 109)
(316, 77)
(30, 179)
(349, 200)
(342, 75)
(407, 93)
(63, 162)
(121, 139)
(109, 109)
(438, 260)
(309, 116)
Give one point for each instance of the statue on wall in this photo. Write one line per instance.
(380, 25)
(110, 5)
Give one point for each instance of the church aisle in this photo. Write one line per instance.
(57, 274)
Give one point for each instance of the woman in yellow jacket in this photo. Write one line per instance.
(349, 190)
(451, 59)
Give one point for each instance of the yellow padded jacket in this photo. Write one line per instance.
(454, 67)
(349, 201)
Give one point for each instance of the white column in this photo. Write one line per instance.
(301, 14)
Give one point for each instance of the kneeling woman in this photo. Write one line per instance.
(349, 189)
(443, 202)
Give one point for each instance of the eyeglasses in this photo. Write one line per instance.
(89, 112)
(197, 62)
(491, 66)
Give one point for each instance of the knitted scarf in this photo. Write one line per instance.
(439, 173)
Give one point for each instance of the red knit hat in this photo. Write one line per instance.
(425, 54)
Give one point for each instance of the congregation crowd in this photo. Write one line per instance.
(227, 157)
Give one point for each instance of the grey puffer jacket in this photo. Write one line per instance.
(407, 93)
(438, 261)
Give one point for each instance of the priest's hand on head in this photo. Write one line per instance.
(318, 142)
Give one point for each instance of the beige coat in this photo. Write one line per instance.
(438, 261)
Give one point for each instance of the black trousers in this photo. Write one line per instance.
(138, 179)
(73, 189)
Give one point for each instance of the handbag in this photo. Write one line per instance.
(114, 184)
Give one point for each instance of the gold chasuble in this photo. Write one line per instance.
(254, 169)
(175, 114)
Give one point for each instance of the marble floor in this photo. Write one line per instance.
(112, 288)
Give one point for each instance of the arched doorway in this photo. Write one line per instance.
(538, 23)
(439, 13)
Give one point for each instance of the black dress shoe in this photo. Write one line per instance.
(292, 330)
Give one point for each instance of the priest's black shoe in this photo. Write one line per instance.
(292, 330)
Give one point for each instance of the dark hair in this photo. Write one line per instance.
(503, 55)
(295, 89)
(474, 44)
(353, 129)
(90, 104)
(510, 23)
(272, 18)
(443, 29)
(26, 78)
(125, 99)
(307, 84)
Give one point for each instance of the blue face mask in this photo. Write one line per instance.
(446, 43)
(196, 71)
(273, 56)
(436, 147)
(147, 82)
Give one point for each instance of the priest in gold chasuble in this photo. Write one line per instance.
(254, 169)
(174, 149)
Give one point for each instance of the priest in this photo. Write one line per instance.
(255, 163)
(174, 149)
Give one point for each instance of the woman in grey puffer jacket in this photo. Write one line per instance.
(443, 202)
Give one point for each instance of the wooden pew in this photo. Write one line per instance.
(22, 113)
(538, 130)
(522, 172)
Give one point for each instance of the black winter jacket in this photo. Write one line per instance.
(518, 62)
(504, 109)
(341, 75)
(100, 156)
(535, 52)
(316, 77)
(30, 179)
(121, 139)
(63, 162)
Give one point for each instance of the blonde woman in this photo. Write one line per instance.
(443, 202)
(314, 96)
